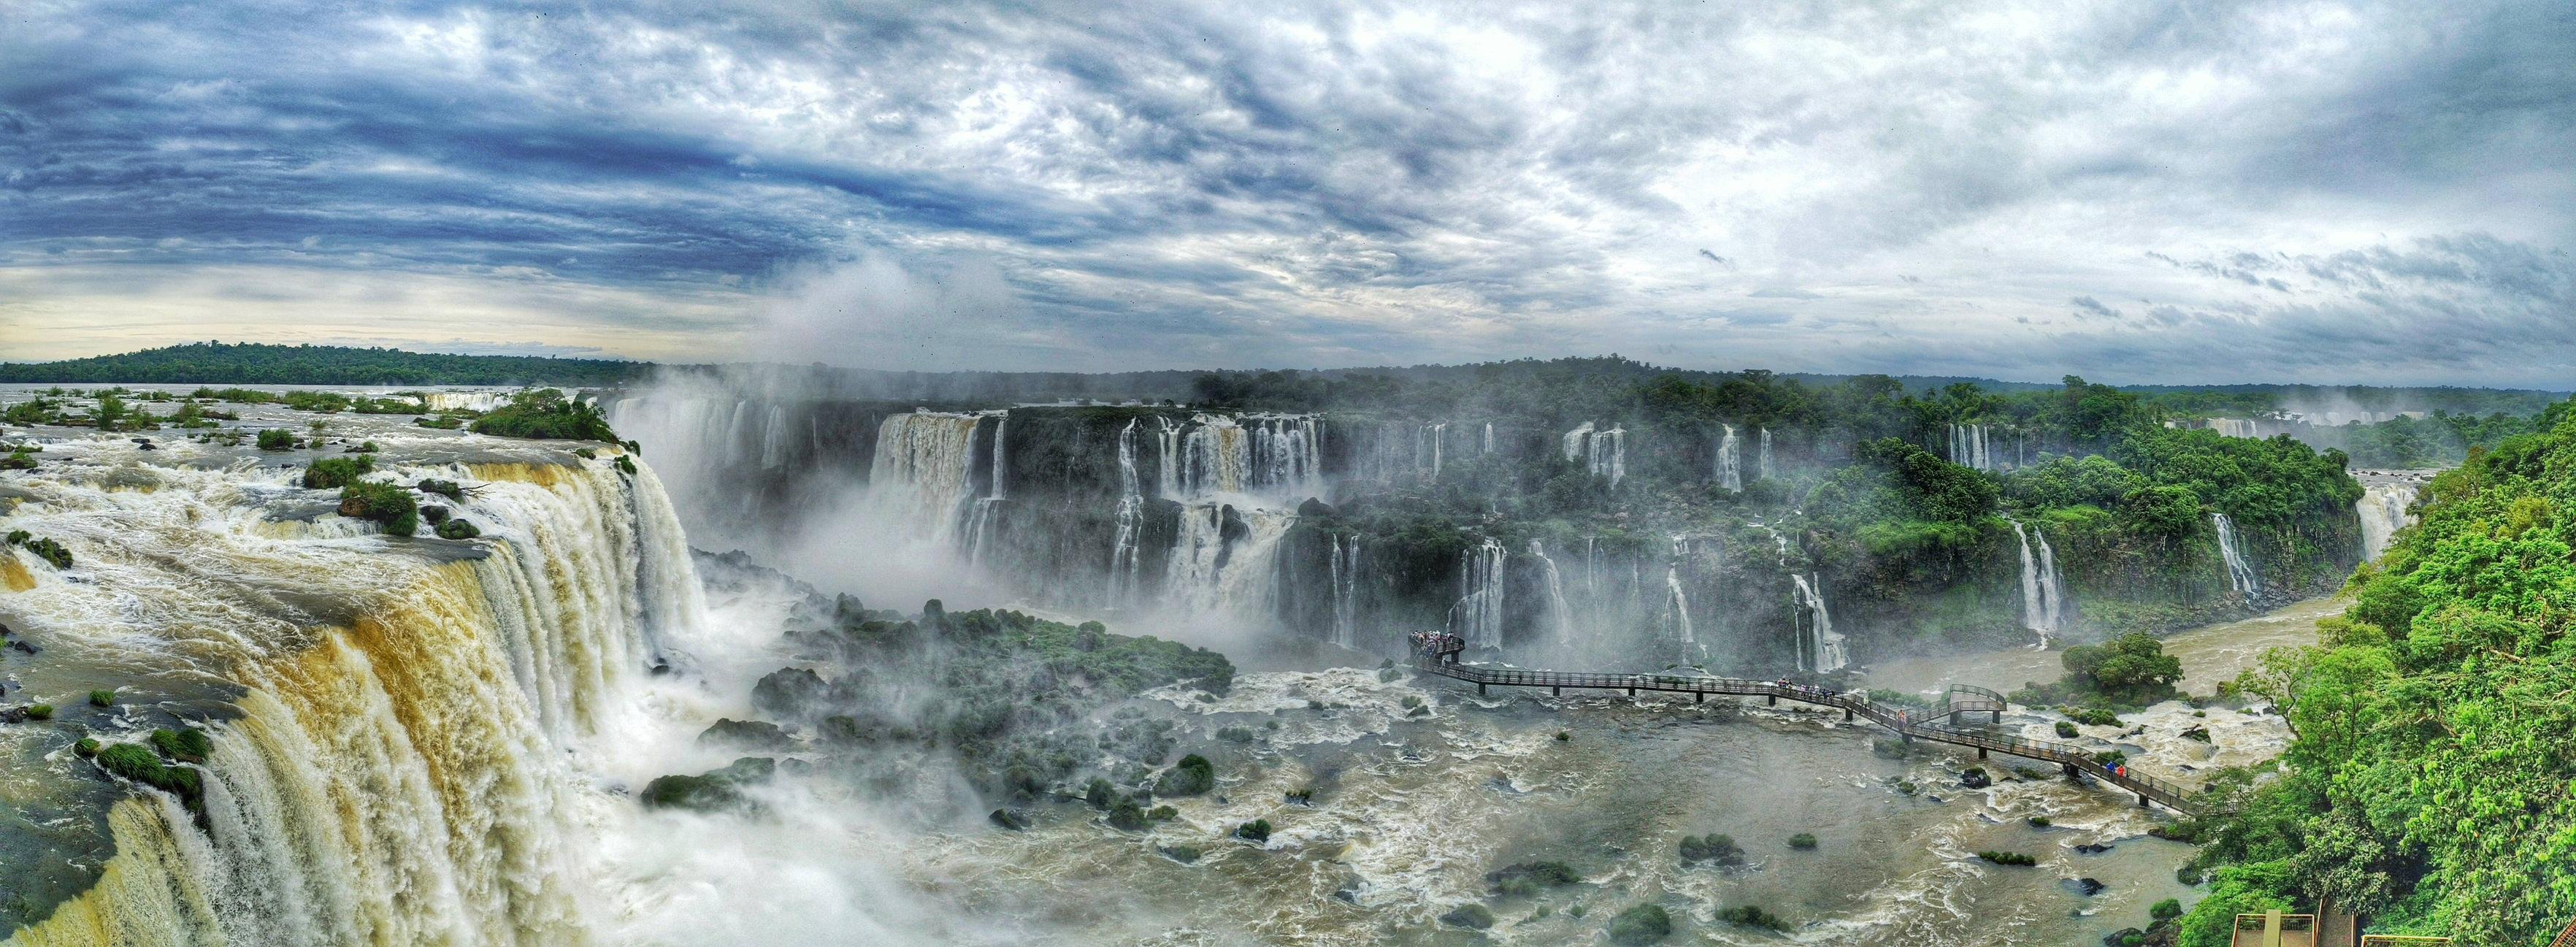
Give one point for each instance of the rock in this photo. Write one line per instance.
(747, 734)
(1187, 854)
(433, 514)
(1975, 778)
(1314, 509)
(1474, 917)
(2124, 937)
(2092, 848)
(2089, 886)
(1008, 820)
(2197, 733)
(22, 648)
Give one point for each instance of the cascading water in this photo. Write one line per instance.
(1478, 615)
(403, 771)
(1489, 437)
(1821, 649)
(2042, 597)
(1968, 446)
(1436, 437)
(923, 471)
(1209, 575)
(2233, 427)
(1603, 453)
(1730, 469)
(1167, 459)
(1763, 468)
(1130, 518)
(1345, 576)
(981, 520)
(1677, 620)
(1558, 613)
(2383, 509)
(2241, 575)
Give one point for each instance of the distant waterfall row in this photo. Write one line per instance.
(2242, 577)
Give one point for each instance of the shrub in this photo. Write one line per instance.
(1192, 776)
(1711, 848)
(2039, 822)
(1126, 816)
(332, 473)
(364, 447)
(277, 438)
(102, 698)
(1753, 916)
(135, 762)
(389, 506)
(545, 414)
(1163, 813)
(50, 551)
(186, 746)
(1302, 795)
(1803, 841)
(1528, 878)
(1907, 787)
(2066, 730)
(446, 488)
(459, 529)
(2009, 858)
(1098, 793)
(20, 459)
(1257, 831)
(1643, 924)
(1474, 917)
(85, 748)
(40, 711)
(2165, 910)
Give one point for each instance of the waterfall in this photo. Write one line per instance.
(403, 773)
(1820, 647)
(1274, 456)
(1730, 471)
(2042, 598)
(1209, 575)
(1345, 576)
(923, 471)
(1130, 519)
(2383, 511)
(1489, 437)
(1435, 435)
(2241, 576)
(1677, 622)
(1167, 458)
(1558, 613)
(1603, 453)
(1968, 446)
(1762, 469)
(1478, 616)
(2233, 427)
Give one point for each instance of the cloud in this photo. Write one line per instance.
(1300, 183)
(2089, 306)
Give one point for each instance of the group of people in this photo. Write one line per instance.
(1438, 644)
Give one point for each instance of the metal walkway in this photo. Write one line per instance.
(1939, 724)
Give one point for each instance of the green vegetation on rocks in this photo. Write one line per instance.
(1472, 916)
(332, 473)
(1529, 878)
(1753, 916)
(388, 505)
(1641, 925)
(1713, 847)
(712, 791)
(1192, 776)
(1256, 831)
(2426, 783)
(546, 414)
(139, 763)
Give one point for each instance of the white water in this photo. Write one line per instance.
(2384, 509)
(1677, 620)
(1823, 647)
(1279, 457)
(1968, 446)
(2042, 596)
(1345, 576)
(1478, 615)
(1130, 518)
(1489, 437)
(923, 472)
(1730, 470)
(1763, 468)
(2233, 427)
(1559, 615)
(413, 772)
(2241, 575)
(1603, 453)
(1211, 577)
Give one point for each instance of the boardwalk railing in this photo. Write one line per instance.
(1938, 724)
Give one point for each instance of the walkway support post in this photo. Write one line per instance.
(1480, 688)
(1773, 698)
(1981, 752)
(1847, 715)
(1556, 692)
(1699, 697)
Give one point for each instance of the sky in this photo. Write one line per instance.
(2134, 192)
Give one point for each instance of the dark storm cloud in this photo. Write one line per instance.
(1303, 183)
